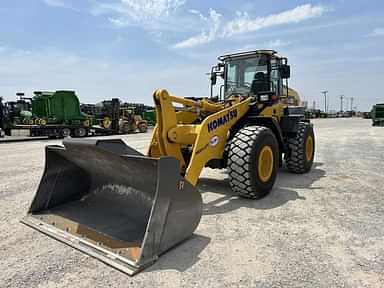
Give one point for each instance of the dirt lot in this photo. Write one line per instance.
(322, 229)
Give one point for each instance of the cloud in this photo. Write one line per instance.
(67, 4)
(169, 15)
(118, 22)
(244, 24)
(277, 43)
(137, 12)
(205, 36)
(378, 32)
(56, 3)
(272, 44)
(197, 12)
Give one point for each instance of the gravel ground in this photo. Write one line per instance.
(322, 229)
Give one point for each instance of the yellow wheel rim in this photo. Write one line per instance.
(265, 164)
(309, 148)
(106, 122)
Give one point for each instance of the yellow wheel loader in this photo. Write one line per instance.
(125, 208)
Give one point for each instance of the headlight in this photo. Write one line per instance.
(264, 97)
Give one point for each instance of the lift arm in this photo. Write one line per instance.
(174, 130)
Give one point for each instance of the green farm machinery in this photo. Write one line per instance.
(150, 116)
(60, 110)
(377, 115)
(53, 114)
(60, 114)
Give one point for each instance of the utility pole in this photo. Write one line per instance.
(1, 113)
(341, 103)
(351, 103)
(325, 100)
(314, 105)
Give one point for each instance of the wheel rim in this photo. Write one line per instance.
(66, 132)
(106, 122)
(265, 163)
(81, 132)
(309, 148)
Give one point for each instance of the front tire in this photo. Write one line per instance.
(253, 162)
(299, 158)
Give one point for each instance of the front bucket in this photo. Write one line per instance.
(113, 203)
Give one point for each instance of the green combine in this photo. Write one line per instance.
(377, 115)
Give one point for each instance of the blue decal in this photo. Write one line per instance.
(214, 124)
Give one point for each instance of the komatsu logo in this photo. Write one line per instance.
(214, 124)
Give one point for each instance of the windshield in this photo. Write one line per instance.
(241, 72)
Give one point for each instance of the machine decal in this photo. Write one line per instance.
(214, 124)
(214, 140)
(180, 185)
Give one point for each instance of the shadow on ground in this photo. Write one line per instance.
(283, 191)
(186, 254)
(183, 256)
(300, 181)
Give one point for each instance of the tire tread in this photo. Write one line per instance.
(239, 161)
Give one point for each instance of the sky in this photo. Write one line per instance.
(128, 49)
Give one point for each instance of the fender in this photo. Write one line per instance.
(271, 123)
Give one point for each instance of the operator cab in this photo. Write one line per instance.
(257, 73)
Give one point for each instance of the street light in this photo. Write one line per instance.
(325, 100)
(346, 99)
(341, 102)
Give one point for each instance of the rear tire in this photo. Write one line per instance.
(301, 153)
(143, 127)
(253, 161)
(80, 132)
(65, 132)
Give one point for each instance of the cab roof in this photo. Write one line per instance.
(249, 53)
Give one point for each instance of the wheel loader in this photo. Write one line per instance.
(125, 208)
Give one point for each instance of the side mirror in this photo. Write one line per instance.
(213, 78)
(285, 71)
